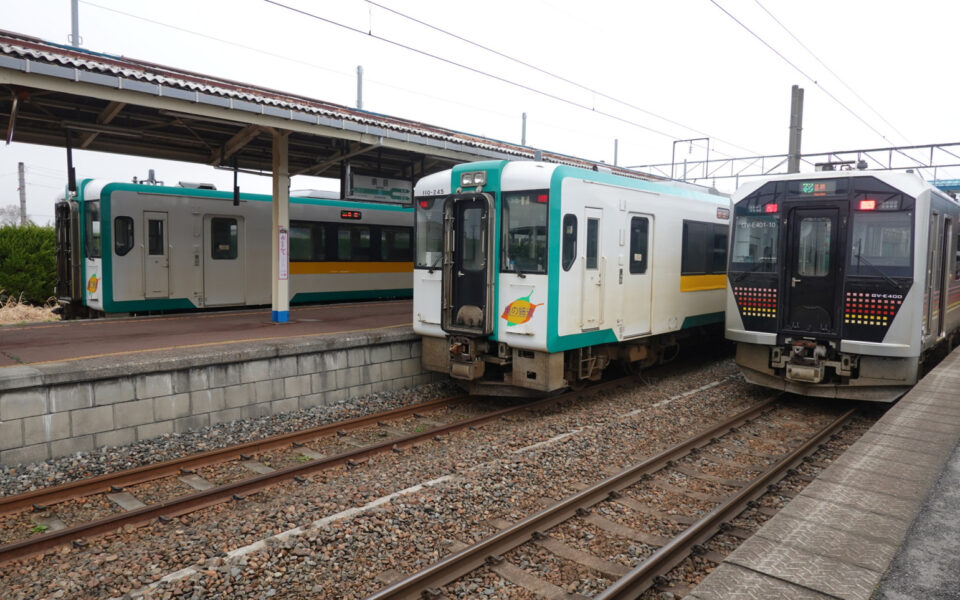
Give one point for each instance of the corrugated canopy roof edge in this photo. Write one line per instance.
(128, 106)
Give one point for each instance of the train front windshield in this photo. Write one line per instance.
(881, 244)
(92, 229)
(429, 232)
(755, 240)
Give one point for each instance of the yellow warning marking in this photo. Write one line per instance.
(699, 283)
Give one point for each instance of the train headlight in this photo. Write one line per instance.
(473, 178)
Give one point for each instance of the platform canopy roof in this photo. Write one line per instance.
(128, 106)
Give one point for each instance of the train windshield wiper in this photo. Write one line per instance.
(512, 266)
(738, 276)
(859, 256)
(431, 268)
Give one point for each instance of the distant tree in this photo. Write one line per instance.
(9, 215)
(28, 262)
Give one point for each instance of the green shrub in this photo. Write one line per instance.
(28, 262)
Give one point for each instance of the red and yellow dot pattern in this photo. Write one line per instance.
(756, 301)
(864, 308)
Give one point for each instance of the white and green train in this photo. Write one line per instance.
(129, 248)
(530, 277)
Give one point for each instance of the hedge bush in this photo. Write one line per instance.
(28, 262)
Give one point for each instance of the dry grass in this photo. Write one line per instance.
(15, 310)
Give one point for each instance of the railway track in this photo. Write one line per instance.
(492, 552)
(136, 513)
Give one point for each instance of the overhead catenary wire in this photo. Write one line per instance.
(551, 74)
(292, 59)
(801, 71)
(829, 70)
(481, 72)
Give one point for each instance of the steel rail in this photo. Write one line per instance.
(238, 489)
(460, 563)
(104, 483)
(679, 548)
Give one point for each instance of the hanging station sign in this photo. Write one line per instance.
(380, 189)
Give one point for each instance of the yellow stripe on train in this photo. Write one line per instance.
(349, 267)
(699, 283)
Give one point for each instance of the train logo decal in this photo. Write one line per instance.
(92, 284)
(519, 311)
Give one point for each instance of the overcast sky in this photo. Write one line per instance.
(685, 61)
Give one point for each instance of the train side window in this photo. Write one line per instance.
(593, 240)
(353, 242)
(569, 241)
(813, 259)
(396, 243)
(122, 235)
(956, 260)
(307, 241)
(638, 244)
(693, 254)
(720, 233)
(703, 248)
(155, 237)
(223, 235)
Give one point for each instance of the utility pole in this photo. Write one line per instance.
(359, 86)
(796, 126)
(616, 143)
(523, 131)
(23, 195)
(75, 23)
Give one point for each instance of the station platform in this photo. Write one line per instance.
(119, 339)
(80, 385)
(880, 523)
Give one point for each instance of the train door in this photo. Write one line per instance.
(637, 276)
(468, 265)
(944, 281)
(592, 305)
(223, 252)
(813, 269)
(934, 275)
(156, 260)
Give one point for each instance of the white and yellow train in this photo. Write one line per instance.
(137, 248)
(530, 277)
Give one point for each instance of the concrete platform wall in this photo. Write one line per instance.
(62, 408)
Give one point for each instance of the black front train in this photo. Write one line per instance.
(840, 284)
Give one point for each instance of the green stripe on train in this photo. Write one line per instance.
(701, 320)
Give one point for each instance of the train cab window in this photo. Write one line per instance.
(881, 244)
(353, 242)
(122, 235)
(429, 232)
(638, 244)
(92, 229)
(569, 241)
(813, 257)
(755, 239)
(524, 229)
(223, 236)
(395, 243)
(307, 241)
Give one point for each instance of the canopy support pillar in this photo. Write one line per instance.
(281, 227)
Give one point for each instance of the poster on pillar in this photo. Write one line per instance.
(283, 272)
